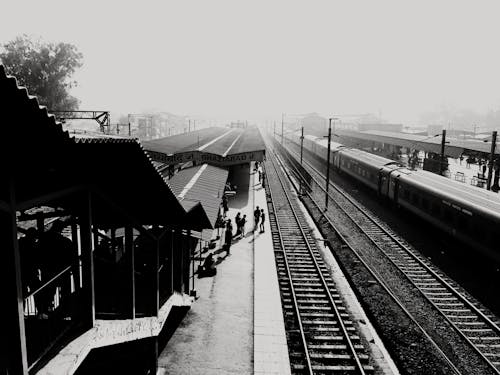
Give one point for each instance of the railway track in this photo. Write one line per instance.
(478, 329)
(321, 337)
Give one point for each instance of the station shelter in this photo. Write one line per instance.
(94, 245)
(217, 146)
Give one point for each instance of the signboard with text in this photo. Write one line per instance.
(202, 157)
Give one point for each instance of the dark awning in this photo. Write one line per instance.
(202, 184)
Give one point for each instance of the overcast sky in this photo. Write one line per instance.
(251, 58)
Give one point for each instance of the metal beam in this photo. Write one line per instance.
(103, 118)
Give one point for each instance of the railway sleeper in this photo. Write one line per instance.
(333, 347)
(334, 369)
(313, 329)
(326, 322)
(324, 315)
(334, 338)
(337, 301)
(315, 355)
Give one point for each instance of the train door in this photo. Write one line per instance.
(381, 179)
(396, 190)
(393, 185)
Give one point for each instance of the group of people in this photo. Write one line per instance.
(240, 225)
(44, 255)
(258, 169)
(259, 219)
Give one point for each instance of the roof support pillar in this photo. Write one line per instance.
(87, 246)
(130, 254)
(13, 352)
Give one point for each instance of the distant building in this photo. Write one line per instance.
(384, 127)
(146, 126)
(314, 124)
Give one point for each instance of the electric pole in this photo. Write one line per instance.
(328, 162)
(492, 159)
(301, 144)
(443, 141)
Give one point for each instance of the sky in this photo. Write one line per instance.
(258, 59)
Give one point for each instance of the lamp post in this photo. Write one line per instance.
(443, 141)
(328, 160)
(301, 144)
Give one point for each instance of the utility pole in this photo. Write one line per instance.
(328, 162)
(492, 159)
(443, 141)
(189, 125)
(301, 144)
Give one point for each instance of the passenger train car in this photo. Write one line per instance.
(469, 214)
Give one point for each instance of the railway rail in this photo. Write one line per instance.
(321, 336)
(479, 330)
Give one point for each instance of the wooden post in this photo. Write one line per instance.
(130, 254)
(13, 338)
(86, 241)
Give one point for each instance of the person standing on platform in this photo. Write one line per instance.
(260, 174)
(256, 215)
(237, 221)
(225, 208)
(243, 221)
(262, 220)
(229, 236)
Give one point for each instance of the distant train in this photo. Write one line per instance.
(469, 214)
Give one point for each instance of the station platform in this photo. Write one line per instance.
(236, 324)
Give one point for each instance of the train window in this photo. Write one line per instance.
(479, 231)
(493, 239)
(425, 204)
(447, 215)
(435, 210)
(462, 223)
(415, 199)
(406, 194)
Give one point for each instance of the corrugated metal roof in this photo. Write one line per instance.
(47, 160)
(184, 142)
(219, 146)
(203, 184)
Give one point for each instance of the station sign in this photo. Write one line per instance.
(204, 157)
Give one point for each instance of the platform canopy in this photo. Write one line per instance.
(453, 147)
(202, 184)
(42, 164)
(216, 146)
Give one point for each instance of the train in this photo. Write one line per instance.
(469, 214)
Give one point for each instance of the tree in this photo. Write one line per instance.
(45, 69)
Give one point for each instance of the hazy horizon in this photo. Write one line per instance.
(255, 60)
